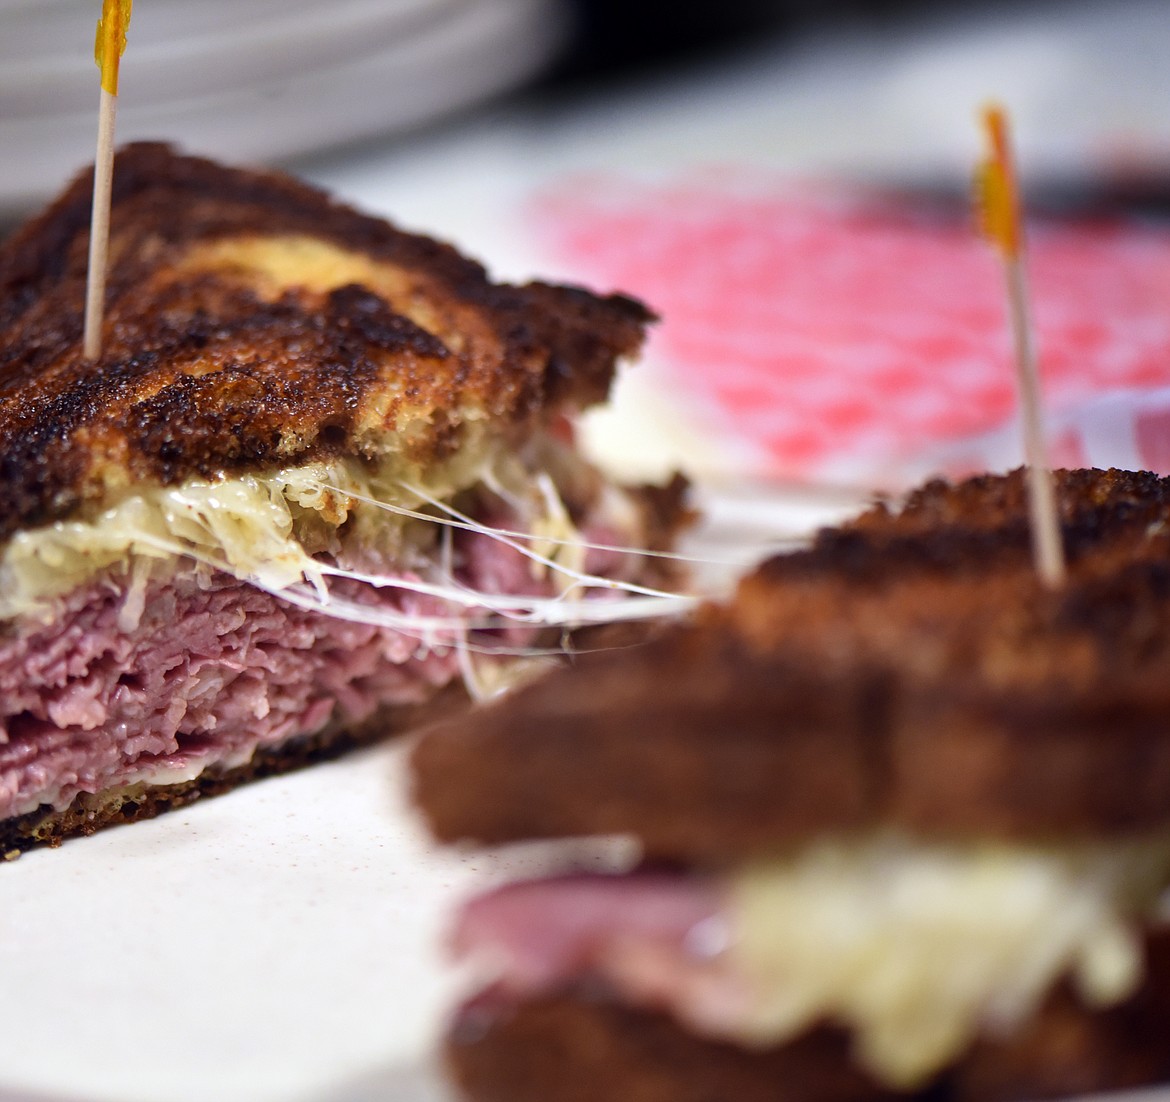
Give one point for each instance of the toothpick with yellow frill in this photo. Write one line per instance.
(109, 46)
(998, 203)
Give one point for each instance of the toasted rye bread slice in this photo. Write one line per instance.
(581, 1047)
(254, 323)
(907, 670)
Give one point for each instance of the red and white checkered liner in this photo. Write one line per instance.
(822, 334)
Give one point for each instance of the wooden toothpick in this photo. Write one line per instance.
(999, 209)
(109, 46)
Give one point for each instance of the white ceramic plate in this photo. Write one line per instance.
(252, 80)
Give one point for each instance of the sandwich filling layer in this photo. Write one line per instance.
(212, 670)
(187, 627)
(916, 948)
(264, 528)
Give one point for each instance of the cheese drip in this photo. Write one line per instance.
(918, 948)
(250, 525)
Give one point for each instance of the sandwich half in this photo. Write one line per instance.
(321, 468)
(903, 818)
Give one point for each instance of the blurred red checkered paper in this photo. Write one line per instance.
(823, 333)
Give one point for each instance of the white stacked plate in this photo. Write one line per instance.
(252, 80)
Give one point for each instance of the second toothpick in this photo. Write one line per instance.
(1000, 211)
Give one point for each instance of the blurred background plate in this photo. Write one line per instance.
(253, 80)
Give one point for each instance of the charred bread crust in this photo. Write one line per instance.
(203, 372)
(583, 1047)
(90, 813)
(577, 1049)
(676, 741)
(1090, 498)
(1067, 1050)
(910, 674)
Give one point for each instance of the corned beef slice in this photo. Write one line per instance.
(213, 669)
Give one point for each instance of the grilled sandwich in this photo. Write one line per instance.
(321, 466)
(903, 818)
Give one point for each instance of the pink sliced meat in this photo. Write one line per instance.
(213, 669)
(656, 939)
(540, 932)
